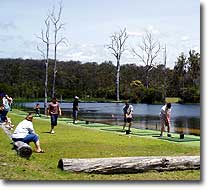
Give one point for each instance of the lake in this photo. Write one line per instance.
(184, 118)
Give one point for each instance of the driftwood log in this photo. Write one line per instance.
(129, 164)
(23, 149)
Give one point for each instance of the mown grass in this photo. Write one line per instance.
(173, 99)
(74, 141)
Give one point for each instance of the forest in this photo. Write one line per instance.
(25, 78)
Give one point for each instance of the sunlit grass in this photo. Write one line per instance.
(75, 141)
(172, 99)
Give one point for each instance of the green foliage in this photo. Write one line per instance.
(186, 75)
(152, 95)
(107, 93)
(189, 95)
(136, 91)
(140, 94)
(25, 79)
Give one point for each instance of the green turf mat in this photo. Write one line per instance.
(177, 139)
(146, 133)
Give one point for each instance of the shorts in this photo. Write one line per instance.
(54, 118)
(163, 122)
(29, 138)
(128, 120)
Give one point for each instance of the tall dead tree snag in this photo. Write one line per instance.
(165, 61)
(117, 47)
(58, 25)
(45, 38)
(147, 51)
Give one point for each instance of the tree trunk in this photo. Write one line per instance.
(23, 149)
(118, 81)
(147, 78)
(46, 81)
(55, 64)
(129, 164)
(54, 78)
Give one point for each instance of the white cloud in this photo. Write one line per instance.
(82, 52)
(7, 26)
(152, 29)
(135, 33)
(185, 38)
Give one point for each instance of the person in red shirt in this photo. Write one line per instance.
(54, 111)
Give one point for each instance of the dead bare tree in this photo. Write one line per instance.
(45, 38)
(117, 47)
(147, 51)
(58, 25)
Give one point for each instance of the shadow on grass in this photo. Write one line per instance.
(92, 125)
(48, 132)
(113, 129)
(69, 120)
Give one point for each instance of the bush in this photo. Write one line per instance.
(190, 95)
(107, 93)
(144, 95)
(152, 95)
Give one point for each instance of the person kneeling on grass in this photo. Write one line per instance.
(25, 132)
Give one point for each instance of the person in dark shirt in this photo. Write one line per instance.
(75, 109)
(128, 115)
(37, 110)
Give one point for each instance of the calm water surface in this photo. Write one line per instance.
(184, 118)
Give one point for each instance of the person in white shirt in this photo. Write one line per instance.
(25, 132)
(128, 117)
(6, 107)
(165, 114)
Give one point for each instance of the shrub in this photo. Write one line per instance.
(152, 95)
(190, 95)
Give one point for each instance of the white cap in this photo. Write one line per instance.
(76, 97)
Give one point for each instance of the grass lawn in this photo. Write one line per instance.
(173, 99)
(88, 141)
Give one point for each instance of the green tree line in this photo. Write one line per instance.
(24, 78)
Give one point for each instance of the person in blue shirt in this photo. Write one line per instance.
(6, 107)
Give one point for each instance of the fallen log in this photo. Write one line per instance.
(118, 165)
(23, 149)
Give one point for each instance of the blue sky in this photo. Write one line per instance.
(89, 24)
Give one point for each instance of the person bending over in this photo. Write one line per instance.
(165, 114)
(128, 117)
